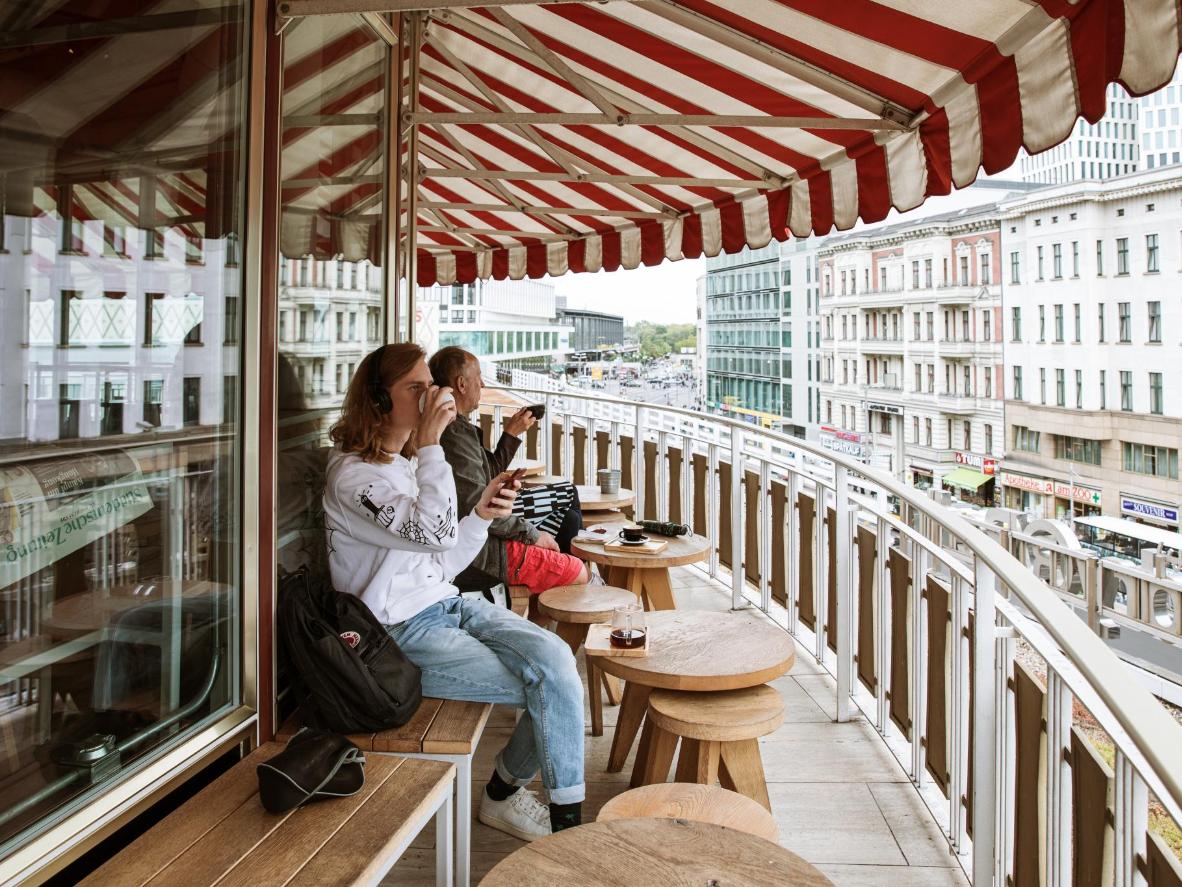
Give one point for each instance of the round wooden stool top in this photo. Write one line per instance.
(700, 803)
(669, 852)
(591, 500)
(583, 603)
(719, 716)
(680, 551)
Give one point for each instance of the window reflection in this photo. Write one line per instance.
(120, 205)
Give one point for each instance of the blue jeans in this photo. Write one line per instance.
(480, 652)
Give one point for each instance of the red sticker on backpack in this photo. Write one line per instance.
(351, 638)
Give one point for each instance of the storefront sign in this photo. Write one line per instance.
(1030, 484)
(51, 509)
(843, 435)
(885, 408)
(845, 447)
(1152, 510)
(982, 463)
(1078, 493)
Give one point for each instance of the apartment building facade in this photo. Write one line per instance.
(911, 349)
(1093, 347)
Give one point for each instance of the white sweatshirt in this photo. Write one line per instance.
(393, 539)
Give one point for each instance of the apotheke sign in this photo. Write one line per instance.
(1031, 484)
(1078, 493)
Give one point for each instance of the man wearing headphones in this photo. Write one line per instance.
(396, 539)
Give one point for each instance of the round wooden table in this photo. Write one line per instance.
(669, 852)
(692, 650)
(646, 575)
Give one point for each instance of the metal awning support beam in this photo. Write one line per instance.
(294, 8)
(331, 181)
(528, 175)
(495, 118)
(548, 210)
(300, 121)
(492, 232)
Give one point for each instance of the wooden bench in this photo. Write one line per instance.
(224, 836)
(441, 730)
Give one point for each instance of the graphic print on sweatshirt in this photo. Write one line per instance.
(412, 530)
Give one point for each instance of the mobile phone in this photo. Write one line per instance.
(538, 410)
(515, 476)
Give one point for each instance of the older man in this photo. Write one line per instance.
(531, 548)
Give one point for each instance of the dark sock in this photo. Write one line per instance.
(565, 816)
(498, 789)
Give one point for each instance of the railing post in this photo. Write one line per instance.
(958, 720)
(638, 466)
(713, 522)
(1092, 591)
(917, 674)
(662, 485)
(882, 659)
(1131, 822)
(765, 536)
(793, 553)
(1058, 802)
(544, 434)
(738, 599)
(986, 747)
(841, 619)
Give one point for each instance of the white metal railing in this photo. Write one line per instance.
(886, 618)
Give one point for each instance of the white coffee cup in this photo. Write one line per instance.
(448, 397)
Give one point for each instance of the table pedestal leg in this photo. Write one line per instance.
(698, 762)
(611, 685)
(632, 709)
(658, 591)
(662, 745)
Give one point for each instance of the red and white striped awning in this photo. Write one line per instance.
(580, 136)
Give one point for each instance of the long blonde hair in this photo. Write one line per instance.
(359, 430)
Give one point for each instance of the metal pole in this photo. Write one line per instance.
(984, 727)
(417, 21)
(841, 505)
(738, 601)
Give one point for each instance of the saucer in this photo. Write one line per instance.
(637, 542)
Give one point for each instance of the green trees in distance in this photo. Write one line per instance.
(660, 339)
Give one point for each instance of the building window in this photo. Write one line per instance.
(1122, 255)
(1126, 391)
(151, 316)
(153, 400)
(927, 432)
(1100, 319)
(1058, 323)
(988, 440)
(1103, 389)
(1015, 268)
(987, 373)
(1042, 323)
(915, 429)
(1154, 311)
(1060, 388)
(967, 435)
(1075, 258)
(964, 270)
(1155, 394)
(1040, 274)
(1079, 389)
(1057, 260)
(915, 274)
(1151, 460)
(231, 320)
(931, 324)
(1151, 254)
(1042, 385)
(986, 324)
(1017, 383)
(1016, 324)
(1099, 258)
(1025, 439)
(191, 402)
(927, 273)
(986, 277)
(1077, 449)
(1125, 317)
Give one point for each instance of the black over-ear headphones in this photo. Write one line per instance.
(377, 391)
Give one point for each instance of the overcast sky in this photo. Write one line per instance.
(668, 292)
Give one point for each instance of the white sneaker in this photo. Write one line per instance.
(521, 815)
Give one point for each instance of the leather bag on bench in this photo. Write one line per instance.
(314, 765)
(350, 675)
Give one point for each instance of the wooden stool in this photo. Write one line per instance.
(575, 608)
(720, 733)
(700, 803)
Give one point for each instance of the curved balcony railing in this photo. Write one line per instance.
(917, 613)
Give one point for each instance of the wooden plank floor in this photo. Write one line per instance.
(839, 798)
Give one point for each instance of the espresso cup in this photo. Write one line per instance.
(632, 534)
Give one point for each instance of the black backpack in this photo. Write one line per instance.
(348, 674)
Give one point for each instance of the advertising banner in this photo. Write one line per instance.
(50, 509)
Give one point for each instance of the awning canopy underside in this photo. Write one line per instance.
(577, 136)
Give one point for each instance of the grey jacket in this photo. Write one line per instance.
(473, 467)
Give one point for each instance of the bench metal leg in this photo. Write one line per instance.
(463, 811)
(444, 853)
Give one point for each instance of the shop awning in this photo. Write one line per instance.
(967, 478)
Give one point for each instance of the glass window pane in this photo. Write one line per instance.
(122, 193)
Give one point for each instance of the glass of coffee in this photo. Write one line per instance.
(628, 627)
